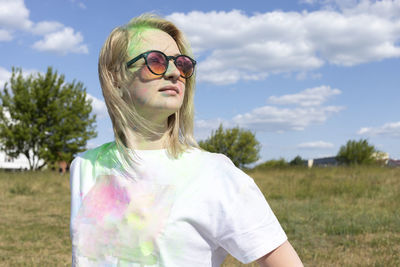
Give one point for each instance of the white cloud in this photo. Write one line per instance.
(5, 35)
(4, 77)
(214, 123)
(91, 145)
(315, 145)
(8, 118)
(58, 38)
(270, 119)
(62, 42)
(82, 5)
(204, 128)
(385, 8)
(353, 39)
(98, 106)
(46, 27)
(236, 46)
(303, 75)
(34, 72)
(388, 129)
(309, 97)
(310, 2)
(273, 119)
(14, 15)
(309, 111)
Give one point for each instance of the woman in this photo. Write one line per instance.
(154, 197)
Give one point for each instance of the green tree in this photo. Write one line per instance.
(356, 153)
(297, 161)
(44, 118)
(239, 145)
(273, 163)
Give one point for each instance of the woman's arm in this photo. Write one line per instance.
(75, 202)
(282, 256)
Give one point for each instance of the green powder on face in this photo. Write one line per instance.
(135, 39)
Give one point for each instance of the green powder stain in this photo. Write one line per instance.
(135, 40)
(146, 248)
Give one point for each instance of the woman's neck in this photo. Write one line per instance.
(136, 141)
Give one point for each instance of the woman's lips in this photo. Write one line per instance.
(170, 88)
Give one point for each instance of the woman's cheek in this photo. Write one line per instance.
(147, 74)
(142, 95)
(183, 80)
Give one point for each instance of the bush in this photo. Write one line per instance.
(356, 153)
(274, 163)
(239, 145)
(298, 161)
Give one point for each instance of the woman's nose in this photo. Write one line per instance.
(172, 71)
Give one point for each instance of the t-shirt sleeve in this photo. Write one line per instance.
(248, 228)
(75, 201)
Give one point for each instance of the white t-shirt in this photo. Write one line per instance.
(192, 211)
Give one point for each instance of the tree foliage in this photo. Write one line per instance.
(356, 153)
(44, 118)
(239, 145)
(273, 163)
(297, 161)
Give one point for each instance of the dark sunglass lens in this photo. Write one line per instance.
(157, 62)
(185, 66)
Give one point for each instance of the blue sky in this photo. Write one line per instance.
(304, 76)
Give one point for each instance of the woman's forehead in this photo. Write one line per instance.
(152, 39)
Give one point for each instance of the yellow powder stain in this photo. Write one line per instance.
(146, 248)
(136, 221)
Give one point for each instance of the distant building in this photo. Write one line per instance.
(21, 164)
(332, 161)
(393, 163)
(18, 164)
(7, 163)
(310, 162)
(323, 162)
(382, 157)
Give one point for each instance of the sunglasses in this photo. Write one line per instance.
(157, 62)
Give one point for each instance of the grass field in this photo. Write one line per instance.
(332, 216)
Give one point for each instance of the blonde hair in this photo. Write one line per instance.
(114, 74)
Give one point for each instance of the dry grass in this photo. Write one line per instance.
(336, 216)
(34, 221)
(332, 216)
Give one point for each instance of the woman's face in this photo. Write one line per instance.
(146, 96)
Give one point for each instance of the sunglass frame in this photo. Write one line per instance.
(145, 54)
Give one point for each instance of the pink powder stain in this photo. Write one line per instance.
(149, 209)
(123, 221)
(106, 198)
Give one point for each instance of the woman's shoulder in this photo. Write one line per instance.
(93, 156)
(224, 170)
(218, 158)
(86, 167)
(97, 152)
